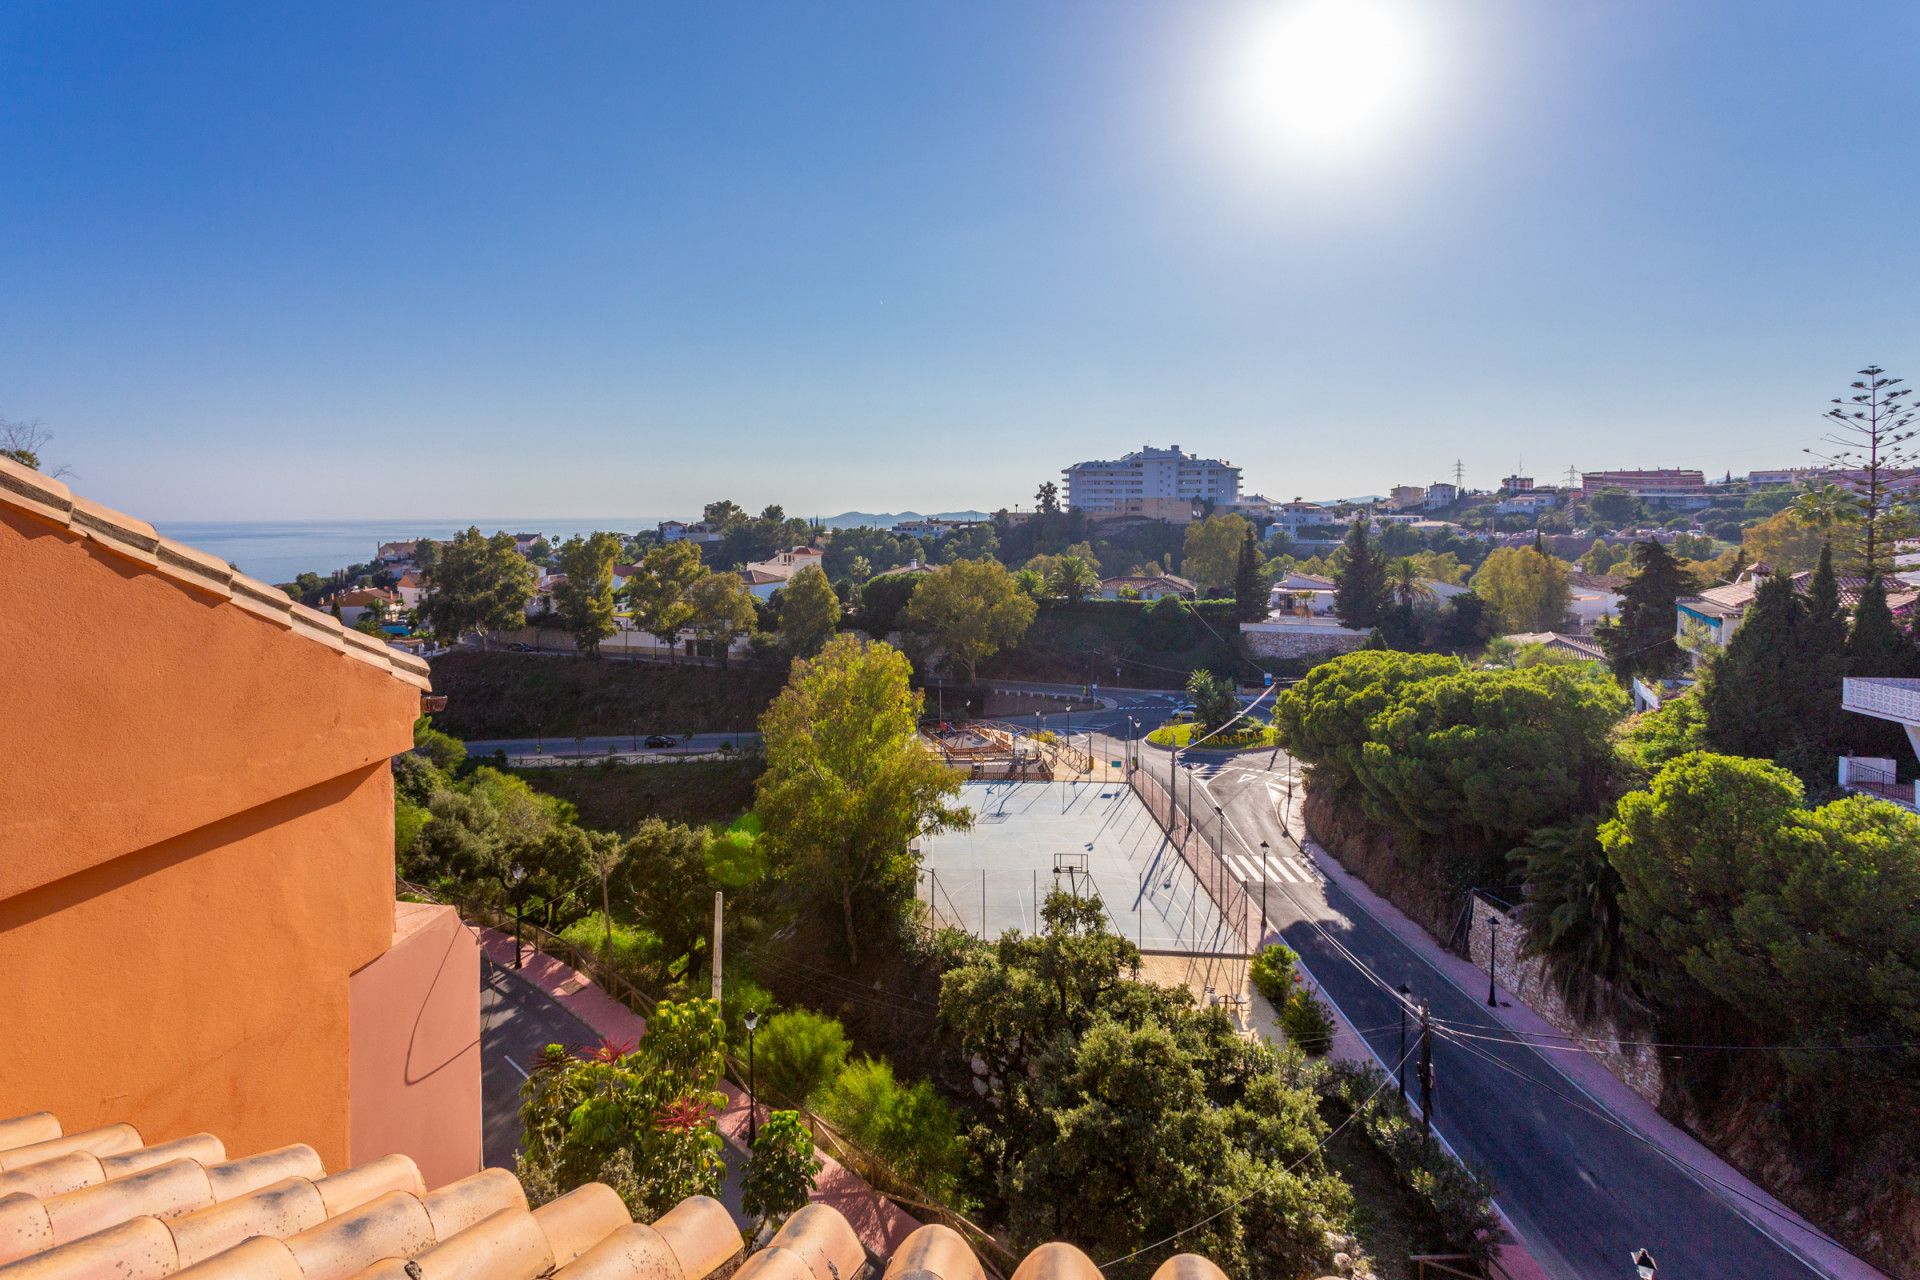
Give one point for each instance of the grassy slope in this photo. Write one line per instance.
(503, 695)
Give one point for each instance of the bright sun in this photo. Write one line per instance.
(1329, 80)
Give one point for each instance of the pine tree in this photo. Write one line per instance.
(1642, 642)
(1826, 622)
(1775, 693)
(1360, 594)
(1249, 593)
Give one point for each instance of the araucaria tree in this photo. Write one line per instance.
(477, 584)
(1870, 433)
(585, 598)
(1360, 588)
(1642, 642)
(849, 785)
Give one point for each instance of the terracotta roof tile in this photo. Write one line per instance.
(181, 1209)
(25, 489)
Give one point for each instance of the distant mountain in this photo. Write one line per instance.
(882, 520)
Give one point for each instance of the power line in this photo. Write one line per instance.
(1645, 1141)
(1526, 1038)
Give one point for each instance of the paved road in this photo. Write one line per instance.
(1580, 1192)
(601, 744)
(517, 1021)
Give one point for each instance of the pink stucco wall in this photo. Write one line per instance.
(414, 1060)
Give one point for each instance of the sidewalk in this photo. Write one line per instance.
(880, 1224)
(1605, 1091)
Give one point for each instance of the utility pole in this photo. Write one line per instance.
(1426, 1068)
(717, 898)
(1400, 1067)
(1459, 472)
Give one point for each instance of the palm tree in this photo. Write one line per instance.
(1825, 507)
(1030, 582)
(1406, 584)
(1074, 578)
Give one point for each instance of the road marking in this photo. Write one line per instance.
(516, 1066)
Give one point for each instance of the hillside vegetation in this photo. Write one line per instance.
(511, 695)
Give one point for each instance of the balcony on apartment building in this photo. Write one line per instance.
(1884, 698)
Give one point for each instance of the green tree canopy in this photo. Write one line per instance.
(849, 785)
(970, 610)
(1527, 590)
(1797, 924)
(1360, 584)
(809, 612)
(720, 610)
(585, 598)
(1775, 690)
(1249, 581)
(1211, 550)
(658, 591)
(476, 584)
(1323, 719)
(1469, 764)
(1642, 641)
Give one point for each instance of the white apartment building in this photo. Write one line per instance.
(1169, 473)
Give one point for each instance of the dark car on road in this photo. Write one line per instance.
(659, 740)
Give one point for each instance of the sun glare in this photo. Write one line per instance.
(1329, 81)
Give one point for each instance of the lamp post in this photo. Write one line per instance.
(1493, 957)
(751, 1021)
(1263, 893)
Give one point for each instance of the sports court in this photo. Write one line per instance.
(1029, 836)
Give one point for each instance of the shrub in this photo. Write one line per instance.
(910, 1127)
(1272, 972)
(799, 1053)
(1461, 1199)
(636, 950)
(739, 996)
(781, 1173)
(1308, 1022)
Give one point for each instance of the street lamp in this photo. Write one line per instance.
(751, 1021)
(1643, 1264)
(1264, 873)
(1493, 957)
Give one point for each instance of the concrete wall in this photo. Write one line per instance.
(196, 847)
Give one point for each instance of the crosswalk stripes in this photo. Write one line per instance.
(1249, 870)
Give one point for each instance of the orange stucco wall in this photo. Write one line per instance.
(415, 1020)
(196, 853)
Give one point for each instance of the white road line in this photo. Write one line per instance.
(1241, 868)
(516, 1066)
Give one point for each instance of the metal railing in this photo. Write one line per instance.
(1463, 1265)
(870, 1168)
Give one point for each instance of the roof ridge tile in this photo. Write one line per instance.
(131, 538)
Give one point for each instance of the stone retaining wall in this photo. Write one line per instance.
(1526, 977)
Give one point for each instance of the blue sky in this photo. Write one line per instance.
(265, 261)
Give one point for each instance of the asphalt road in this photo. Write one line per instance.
(1580, 1191)
(601, 744)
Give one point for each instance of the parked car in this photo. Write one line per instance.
(659, 740)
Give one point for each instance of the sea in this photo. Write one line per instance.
(282, 550)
